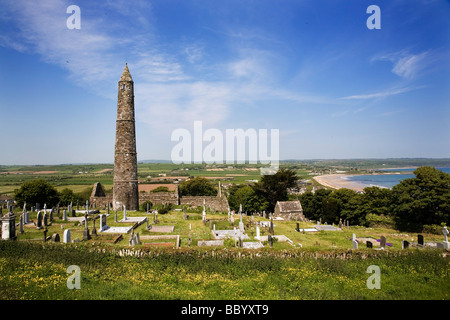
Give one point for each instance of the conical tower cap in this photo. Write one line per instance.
(126, 76)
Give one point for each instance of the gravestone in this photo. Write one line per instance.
(64, 215)
(21, 223)
(94, 230)
(420, 239)
(55, 237)
(86, 235)
(66, 236)
(354, 244)
(298, 227)
(103, 225)
(258, 233)
(9, 226)
(405, 244)
(269, 239)
(39, 220)
(382, 242)
(369, 244)
(445, 244)
(271, 226)
(45, 218)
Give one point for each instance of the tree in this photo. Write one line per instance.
(274, 187)
(36, 191)
(246, 195)
(423, 200)
(198, 187)
(66, 196)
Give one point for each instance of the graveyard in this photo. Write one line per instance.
(191, 253)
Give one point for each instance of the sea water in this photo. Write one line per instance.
(387, 180)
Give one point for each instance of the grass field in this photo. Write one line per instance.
(323, 268)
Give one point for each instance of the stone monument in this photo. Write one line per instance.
(125, 188)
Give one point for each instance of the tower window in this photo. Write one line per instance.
(123, 87)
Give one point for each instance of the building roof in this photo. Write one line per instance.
(126, 75)
(289, 206)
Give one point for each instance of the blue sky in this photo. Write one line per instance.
(310, 68)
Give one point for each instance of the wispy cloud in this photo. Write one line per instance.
(405, 64)
(382, 94)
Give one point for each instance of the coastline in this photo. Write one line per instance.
(338, 181)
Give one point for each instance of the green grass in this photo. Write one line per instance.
(32, 271)
(330, 270)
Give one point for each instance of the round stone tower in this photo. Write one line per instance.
(125, 189)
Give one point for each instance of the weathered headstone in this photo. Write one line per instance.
(64, 215)
(382, 242)
(66, 236)
(354, 244)
(21, 223)
(269, 239)
(405, 244)
(55, 237)
(9, 226)
(39, 220)
(94, 230)
(445, 244)
(258, 233)
(369, 244)
(103, 225)
(45, 218)
(420, 239)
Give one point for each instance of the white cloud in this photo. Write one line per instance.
(382, 94)
(405, 64)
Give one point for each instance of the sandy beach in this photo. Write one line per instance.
(338, 181)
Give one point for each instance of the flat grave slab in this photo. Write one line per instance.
(222, 234)
(281, 238)
(325, 227)
(133, 220)
(252, 245)
(210, 243)
(162, 229)
(117, 230)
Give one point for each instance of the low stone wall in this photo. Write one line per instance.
(213, 202)
(159, 197)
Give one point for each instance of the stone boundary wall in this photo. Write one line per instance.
(213, 202)
(159, 197)
(216, 203)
